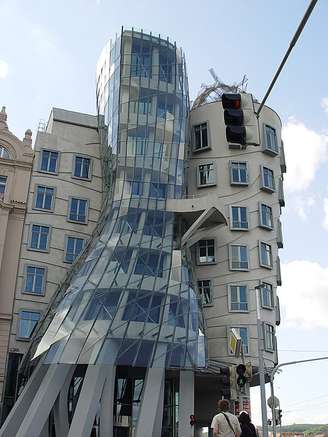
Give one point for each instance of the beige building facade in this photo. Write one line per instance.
(16, 158)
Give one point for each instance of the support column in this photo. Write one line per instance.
(151, 408)
(88, 403)
(186, 403)
(107, 402)
(61, 408)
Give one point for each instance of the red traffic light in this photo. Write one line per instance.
(231, 101)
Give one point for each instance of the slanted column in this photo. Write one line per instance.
(186, 403)
(61, 408)
(107, 402)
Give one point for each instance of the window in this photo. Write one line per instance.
(271, 141)
(204, 288)
(265, 255)
(206, 175)
(238, 173)
(3, 181)
(136, 146)
(44, 197)
(35, 280)
(206, 251)
(143, 307)
(238, 257)
(267, 299)
(141, 106)
(200, 136)
(82, 167)
(149, 263)
(166, 62)
(4, 153)
(74, 247)
(243, 333)
(49, 161)
(238, 298)
(269, 337)
(141, 58)
(157, 190)
(78, 210)
(39, 238)
(26, 323)
(155, 223)
(239, 218)
(266, 219)
(267, 176)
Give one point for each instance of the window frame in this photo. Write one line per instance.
(230, 301)
(44, 280)
(239, 269)
(200, 149)
(21, 310)
(86, 210)
(201, 287)
(80, 155)
(233, 228)
(199, 263)
(3, 184)
(29, 247)
(238, 183)
(3, 148)
(66, 243)
(261, 223)
(210, 184)
(237, 326)
(40, 161)
(262, 264)
(268, 307)
(267, 331)
(266, 147)
(36, 186)
(265, 187)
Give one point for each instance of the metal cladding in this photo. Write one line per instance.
(132, 301)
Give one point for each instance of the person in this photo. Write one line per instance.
(225, 424)
(247, 428)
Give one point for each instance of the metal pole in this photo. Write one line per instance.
(273, 409)
(290, 48)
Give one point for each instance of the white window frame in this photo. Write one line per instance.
(263, 186)
(86, 211)
(36, 186)
(40, 161)
(29, 247)
(213, 170)
(262, 264)
(271, 293)
(241, 269)
(231, 310)
(78, 155)
(232, 227)
(44, 280)
(232, 182)
(262, 224)
(201, 288)
(269, 337)
(66, 243)
(198, 252)
(199, 149)
(266, 147)
(18, 337)
(237, 328)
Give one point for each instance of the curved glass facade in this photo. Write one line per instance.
(131, 301)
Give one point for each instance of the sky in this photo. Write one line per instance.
(48, 55)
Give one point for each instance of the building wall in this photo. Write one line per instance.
(218, 313)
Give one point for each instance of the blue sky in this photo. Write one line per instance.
(48, 56)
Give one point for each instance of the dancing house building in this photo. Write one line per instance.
(135, 340)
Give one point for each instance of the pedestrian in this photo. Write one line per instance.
(247, 428)
(225, 424)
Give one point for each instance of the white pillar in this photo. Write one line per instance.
(107, 403)
(61, 407)
(186, 403)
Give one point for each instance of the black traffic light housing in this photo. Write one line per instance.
(241, 372)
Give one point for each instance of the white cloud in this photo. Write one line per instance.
(303, 206)
(324, 104)
(325, 211)
(4, 68)
(303, 296)
(305, 151)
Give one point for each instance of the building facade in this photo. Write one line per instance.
(15, 169)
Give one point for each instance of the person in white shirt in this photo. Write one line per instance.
(225, 424)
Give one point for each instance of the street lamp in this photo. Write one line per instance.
(261, 362)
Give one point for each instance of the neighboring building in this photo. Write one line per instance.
(64, 201)
(15, 169)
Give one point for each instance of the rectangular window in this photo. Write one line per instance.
(206, 175)
(3, 181)
(157, 190)
(271, 141)
(78, 210)
(269, 337)
(238, 173)
(239, 218)
(238, 257)
(26, 323)
(204, 288)
(266, 219)
(267, 299)
(267, 177)
(82, 167)
(74, 247)
(141, 58)
(141, 106)
(149, 263)
(40, 238)
(243, 333)
(265, 255)
(155, 223)
(238, 300)
(143, 307)
(35, 280)
(44, 198)
(206, 251)
(49, 161)
(200, 136)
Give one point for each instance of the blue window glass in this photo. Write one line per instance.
(141, 58)
(176, 312)
(122, 256)
(157, 190)
(44, 197)
(27, 322)
(149, 263)
(129, 222)
(39, 237)
(268, 179)
(238, 298)
(238, 172)
(49, 161)
(143, 307)
(164, 108)
(74, 247)
(78, 210)
(239, 217)
(3, 181)
(82, 167)
(35, 277)
(166, 61)
(102, 305)
(155, 223)
(271, 139)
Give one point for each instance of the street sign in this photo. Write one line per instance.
(235, 343)
(273, 402)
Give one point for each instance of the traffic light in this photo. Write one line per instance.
(242, 126)
(278, 416)
(241, 378)
(192, 419)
